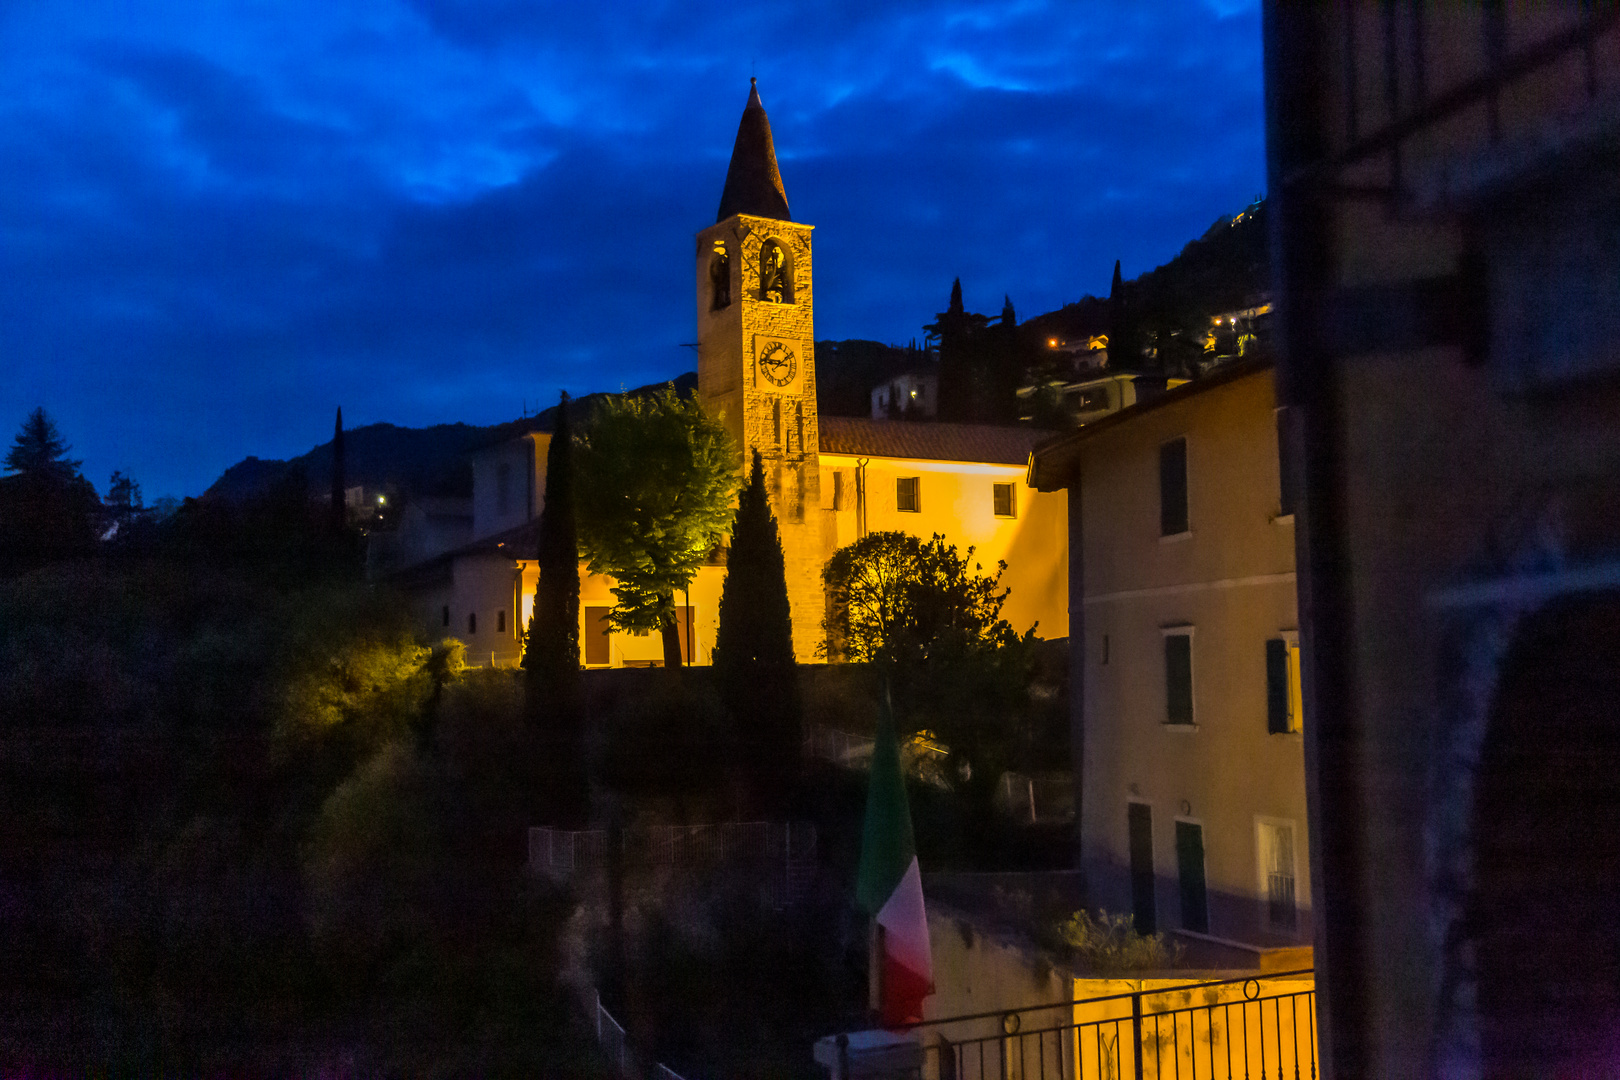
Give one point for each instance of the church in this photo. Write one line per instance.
(831, 479)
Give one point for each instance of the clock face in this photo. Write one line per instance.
(777, 363)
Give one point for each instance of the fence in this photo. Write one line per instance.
(783, 852)
(615, 1046)
(1036, 798)
(839, 747)
(1258, 1027)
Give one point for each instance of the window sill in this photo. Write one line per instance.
(1287, 734)
(1283, 519)
(1176, 538)
(1179, 727)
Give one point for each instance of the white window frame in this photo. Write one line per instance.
(1012, 499)
(1180, 630)
(1263, 877)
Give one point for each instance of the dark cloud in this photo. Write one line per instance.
(216, 227)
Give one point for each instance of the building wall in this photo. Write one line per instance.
(1462, 488)
(956, 500)
(1230, 580)
(523, 462)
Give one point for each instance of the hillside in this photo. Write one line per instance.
(387, 457)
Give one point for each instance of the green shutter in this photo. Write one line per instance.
(1173, 487)
(1277, 686)
(1190, 867)
(1178, 679)
(1143, 908)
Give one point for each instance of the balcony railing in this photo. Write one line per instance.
(1252, 1028)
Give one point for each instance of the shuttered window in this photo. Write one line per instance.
(906, 495)
(1140, 819)
(1278, 718)
(1190, 869)
(1285, 463)
(1178, 679)
(1003, 500)
(1173, 488)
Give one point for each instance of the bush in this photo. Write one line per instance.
(1110, 945)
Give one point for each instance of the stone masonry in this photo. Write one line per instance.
(756, 370)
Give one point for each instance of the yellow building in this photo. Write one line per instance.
(1185, 658)
(831, 479)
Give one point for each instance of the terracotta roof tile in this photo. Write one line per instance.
(928, 442)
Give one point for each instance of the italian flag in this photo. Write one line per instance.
(889, 887)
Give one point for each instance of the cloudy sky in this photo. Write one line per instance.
(220, 220)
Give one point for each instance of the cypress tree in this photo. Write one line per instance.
(339, 483)
(1123, 351)
(551, 646)
(753, 652)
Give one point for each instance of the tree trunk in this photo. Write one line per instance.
(672, 640)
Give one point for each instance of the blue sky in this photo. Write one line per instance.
(218, 221)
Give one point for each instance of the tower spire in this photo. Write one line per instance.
(753, 182)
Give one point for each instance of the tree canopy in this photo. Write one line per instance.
(656, 476)
(894, 597)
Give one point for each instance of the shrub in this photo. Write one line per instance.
(1110, 944)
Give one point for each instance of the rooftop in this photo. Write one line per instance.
(928, 442)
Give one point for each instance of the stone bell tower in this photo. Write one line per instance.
(756, 353)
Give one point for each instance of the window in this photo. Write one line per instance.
(838, 490)
(1288, 494)
(1276, 850)
(1143, 907)
(905, 494)
(500, 622)
(472, 622)
(1178, 677)
(1091, 400)
(1284, 696)
(447, 614)
(1002, 497)
(596, 636)
(503, 487)
(1173, 488)
(1190, 869)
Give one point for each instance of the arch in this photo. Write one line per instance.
(775, 272)
(1544, 911)
(720, 277)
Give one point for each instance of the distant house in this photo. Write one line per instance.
(1184, 644)
(910, 393)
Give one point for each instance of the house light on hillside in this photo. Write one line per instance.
(382, 500)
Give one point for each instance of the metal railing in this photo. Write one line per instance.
(783, 852)
(1254, 1028)
(615, 1046)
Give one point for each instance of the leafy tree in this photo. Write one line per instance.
(656, 476)
(753, 653)
(929, 614)
(894, 598)
(551, 647)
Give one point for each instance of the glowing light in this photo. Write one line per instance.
(1051, 343)
(382, 500)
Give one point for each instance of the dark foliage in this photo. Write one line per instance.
(981, 363)
(339, 511)
(846, 372)
(551, 647)
(753, 654)
(220, 858)
(48, 510)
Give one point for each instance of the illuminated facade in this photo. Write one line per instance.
(831, 480)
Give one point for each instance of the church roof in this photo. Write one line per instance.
(928, 442)
(753, 182)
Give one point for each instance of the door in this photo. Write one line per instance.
(1142, 904)
(1190, 870)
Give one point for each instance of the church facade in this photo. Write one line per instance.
(831, 480)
